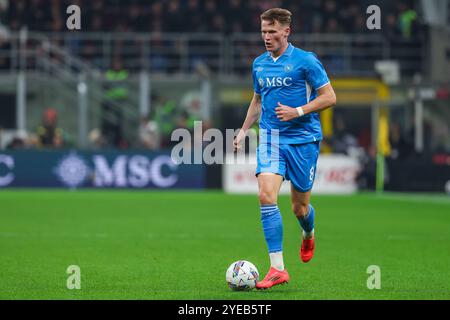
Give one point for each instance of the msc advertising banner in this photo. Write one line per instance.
(90, 169)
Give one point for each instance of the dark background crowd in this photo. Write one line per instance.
(322, 16)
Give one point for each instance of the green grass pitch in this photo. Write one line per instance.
(178, 245)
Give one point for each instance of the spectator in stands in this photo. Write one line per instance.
(209, 12)
(17, 142)
(96, 24)
(401, 148)
(392, 31)
(159, 60)
(116, 91)
(96, 139)
(348, 14)
(342, 141)
(174, 18)
(149, 134)
(366, 177)
(329, 12)
(17, 15)
(55, 20)
(408, 21)
(136, 17)
(5, 46)
(193, 13)
(4, 13)
(49, 134)
(218, 24)
(165, 113)
(156, 17)
(95, 16)
(236, 13)
(332, 26)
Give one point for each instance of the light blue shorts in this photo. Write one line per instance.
(294, 162)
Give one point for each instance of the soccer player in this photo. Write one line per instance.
(290, 88)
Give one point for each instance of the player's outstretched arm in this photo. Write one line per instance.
(325, 98)
(252, 115)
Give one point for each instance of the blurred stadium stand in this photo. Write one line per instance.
(222, 34)
(139, 69)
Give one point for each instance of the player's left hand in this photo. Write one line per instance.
(286, 113)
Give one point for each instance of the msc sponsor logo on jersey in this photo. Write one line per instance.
(275, 82)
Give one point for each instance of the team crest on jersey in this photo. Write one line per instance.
(261, 82)
(259, 69)
(288, 68)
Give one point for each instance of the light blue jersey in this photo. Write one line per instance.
(293, 79)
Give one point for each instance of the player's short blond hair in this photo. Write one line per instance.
(283, 16)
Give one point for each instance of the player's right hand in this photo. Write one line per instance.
(237, 143)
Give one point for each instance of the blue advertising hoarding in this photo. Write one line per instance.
(92, 169)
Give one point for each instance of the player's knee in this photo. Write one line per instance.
(300, 209)
(267, 197)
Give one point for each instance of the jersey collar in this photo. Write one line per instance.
(286, 52)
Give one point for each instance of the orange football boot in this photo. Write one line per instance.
(307, 249)
(273, 278)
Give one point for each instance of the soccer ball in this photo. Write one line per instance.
(242, 275)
